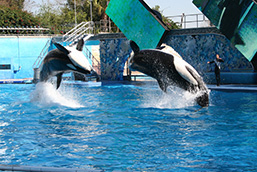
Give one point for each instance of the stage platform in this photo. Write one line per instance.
(16, 81)
(234, 88)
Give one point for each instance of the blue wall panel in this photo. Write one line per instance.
(21, 53)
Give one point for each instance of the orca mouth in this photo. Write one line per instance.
(83, 71)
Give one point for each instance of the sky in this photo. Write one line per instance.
(168, 7)
(174, 7)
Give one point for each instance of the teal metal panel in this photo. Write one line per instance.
(236, 19)
(138, 22)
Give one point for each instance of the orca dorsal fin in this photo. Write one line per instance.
(61, 48)
(59, 80)
(134, 46)
(80, 45)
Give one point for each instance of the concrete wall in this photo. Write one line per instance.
(113, 55)
(197, 48)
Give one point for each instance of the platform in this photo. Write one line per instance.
(234, 88)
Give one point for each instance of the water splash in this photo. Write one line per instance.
(174, 98)
(46, 94)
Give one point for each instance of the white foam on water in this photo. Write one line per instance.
(46, 94)
(174, 98)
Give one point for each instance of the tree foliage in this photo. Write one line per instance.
(83, 8)
(13, 17)
(50, 18)
(13, 3)
(61, 19)
(169, 23)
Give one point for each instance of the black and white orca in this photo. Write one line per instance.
(63, 60)
(168, 68)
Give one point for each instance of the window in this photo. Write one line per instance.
(5, 66)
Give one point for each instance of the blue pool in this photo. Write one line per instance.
(126, 127)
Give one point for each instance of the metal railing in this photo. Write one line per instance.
(78, 32)
(23, 30)
(42, 55)
(105, 26)
(95, 63)
(191, 21)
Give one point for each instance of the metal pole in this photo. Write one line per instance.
(197, 21)
(110, 24)
(91, 15)
(75, 12)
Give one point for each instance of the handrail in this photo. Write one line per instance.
(76, 35)
(42, 54)
(77, 32)
(74, 28)
(191, 20)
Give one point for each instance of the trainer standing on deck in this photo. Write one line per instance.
(217, 62)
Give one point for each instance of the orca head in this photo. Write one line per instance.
(141, 60)
(78, 61)
(203, 100)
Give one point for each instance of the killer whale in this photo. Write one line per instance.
(168, 68)
(63, 60)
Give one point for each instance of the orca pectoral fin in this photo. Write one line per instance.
(59, 80)
(62, 48)
(162, 85)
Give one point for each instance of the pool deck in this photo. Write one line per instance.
(16, 81)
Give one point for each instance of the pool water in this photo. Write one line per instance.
(126, 127)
